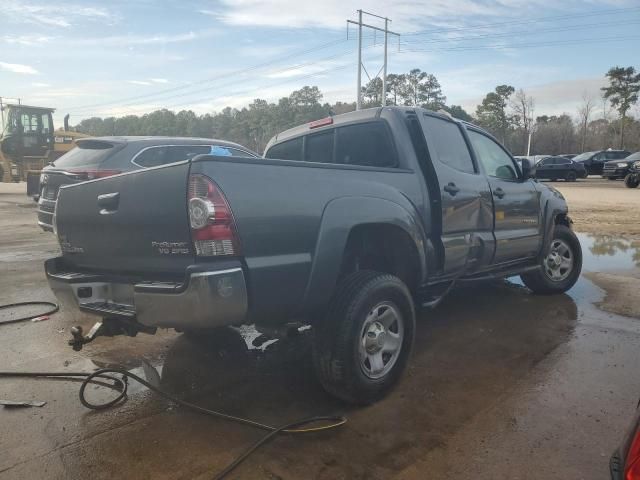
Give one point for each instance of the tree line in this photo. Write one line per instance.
(508, 113)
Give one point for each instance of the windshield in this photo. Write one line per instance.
(633, 157)
(87, 153)
(583, 156)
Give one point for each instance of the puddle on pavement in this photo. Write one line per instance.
(609, 253)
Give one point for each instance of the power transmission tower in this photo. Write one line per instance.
(361, 67)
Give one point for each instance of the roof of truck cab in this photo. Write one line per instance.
(349, 117)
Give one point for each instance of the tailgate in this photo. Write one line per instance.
(131, 223)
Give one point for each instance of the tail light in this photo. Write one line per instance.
(212, 225)
(632, 463)
(93, 174)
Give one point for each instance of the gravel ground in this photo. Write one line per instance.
(603, 206)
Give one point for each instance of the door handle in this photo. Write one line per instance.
(108, 202)
(451, 189)
(498, 192)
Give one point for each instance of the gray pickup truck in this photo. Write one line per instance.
(346, 225)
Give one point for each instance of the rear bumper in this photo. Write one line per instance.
(205, 299)
(45, 213)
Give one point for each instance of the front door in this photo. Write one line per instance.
(517, 226)
(465, 196)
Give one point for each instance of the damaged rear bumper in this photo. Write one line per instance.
(205, 298)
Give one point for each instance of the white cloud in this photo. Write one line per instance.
(40, 84)
(26, 40)
(150, 81)
(52, 15)
(18, 68)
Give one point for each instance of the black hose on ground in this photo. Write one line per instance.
(324, 422)
(54, 308)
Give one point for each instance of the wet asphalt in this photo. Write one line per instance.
(502, 384)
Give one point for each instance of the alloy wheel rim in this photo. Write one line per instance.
(558, 264)
(380, 340)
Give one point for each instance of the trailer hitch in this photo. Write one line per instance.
(107, 327)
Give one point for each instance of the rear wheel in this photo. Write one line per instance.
(631, 181)
(570, 176)
(560, 268)
(362, 346)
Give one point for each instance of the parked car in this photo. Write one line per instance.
(632, 180)
(346, 225)
(556, 167)
(105, 156)
(594, 161)
(617, 169)
(625, 462)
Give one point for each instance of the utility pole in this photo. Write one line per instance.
(360, 65)
(359, 92)
(384, 71)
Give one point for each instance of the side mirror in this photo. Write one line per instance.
(528, 171)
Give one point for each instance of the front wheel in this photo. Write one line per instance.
(570, 176)
(560, 268)
(362, 346)
(631, 181)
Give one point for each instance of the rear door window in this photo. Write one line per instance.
(367, 144)
(164, 154)
(446, 139)
(87, 153)
(319, 147)
(289, 150)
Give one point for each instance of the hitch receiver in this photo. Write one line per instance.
(107, 327)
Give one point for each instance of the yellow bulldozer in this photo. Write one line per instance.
(29, 142)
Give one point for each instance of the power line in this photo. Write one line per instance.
(526, 32)
(251, 90)
(235, 81)
(215, 77)
(132, 100)
(525, 22)
(523, 45)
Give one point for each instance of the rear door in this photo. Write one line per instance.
(544, 168)
(130, 223)
(515, 202)
(563, 165)
(467, 215)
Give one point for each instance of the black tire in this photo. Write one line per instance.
(338, 337)
(570, 176)
(631, 181)
(611, 178)
(540, 282)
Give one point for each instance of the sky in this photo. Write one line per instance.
(96, 58)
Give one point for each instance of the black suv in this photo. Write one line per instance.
(594, 161)
(105, 156)
(632, 180)
(617, 169)
(557, 167)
